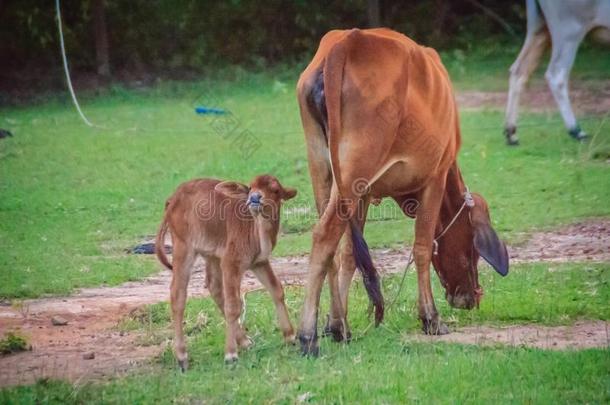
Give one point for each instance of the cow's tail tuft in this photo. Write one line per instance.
(370, 276)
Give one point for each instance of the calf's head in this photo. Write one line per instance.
(263, 197)
(459, 249)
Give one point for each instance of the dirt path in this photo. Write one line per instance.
(93, 313)
(538, 98)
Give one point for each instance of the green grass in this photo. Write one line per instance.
(12, 343)
(72, 198)
(486, 68)
(384, 365)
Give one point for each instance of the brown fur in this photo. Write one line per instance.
(215, 220)
(392, 125)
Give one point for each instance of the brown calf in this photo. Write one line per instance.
(234, 228)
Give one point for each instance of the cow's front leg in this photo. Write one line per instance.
(326, 236)
(425, 225)
(231, 282)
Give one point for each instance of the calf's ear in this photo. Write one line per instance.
(490, 247)
(232, 189)
(288, 193)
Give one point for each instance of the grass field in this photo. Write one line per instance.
(386, 365)
(72, 199)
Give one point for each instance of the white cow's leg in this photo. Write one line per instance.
(520, 72)
(557, 76)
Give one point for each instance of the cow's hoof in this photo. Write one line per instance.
(245, 342)
(309, 345)
(183, 364)
(578, 134)
(434, 327)
(231, 358)
(336, 330)
(511, 136)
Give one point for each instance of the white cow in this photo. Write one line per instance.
(561, 24)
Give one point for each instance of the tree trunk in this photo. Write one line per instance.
(101, 38)
(373, 13)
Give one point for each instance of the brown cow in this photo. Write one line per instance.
(234, 228)
(380, 120)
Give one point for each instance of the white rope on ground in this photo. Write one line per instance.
(65, 59)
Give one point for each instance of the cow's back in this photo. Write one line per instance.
(395, 93)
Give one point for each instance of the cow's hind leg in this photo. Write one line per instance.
(266, 276)
(337, 326)
(183, 260)
(520, 72)
(425, 225)
(557, 76)
(326, 236)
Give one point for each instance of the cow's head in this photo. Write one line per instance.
(263, 197)
(459, 249)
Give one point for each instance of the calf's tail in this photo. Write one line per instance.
(160, 243)
(370, 277)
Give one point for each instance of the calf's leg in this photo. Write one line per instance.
(214, 284)
(213, 278)
(183, 260)
(266, 276)
(231, 283)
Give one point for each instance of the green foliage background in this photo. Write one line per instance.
(187, 38)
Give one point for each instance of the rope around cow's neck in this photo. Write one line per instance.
(468, 202)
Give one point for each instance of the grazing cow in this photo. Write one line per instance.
(380, 120)
(561, 25)
(234, 228)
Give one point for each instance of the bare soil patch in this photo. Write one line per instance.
(538, 98)
(581, 335)
(93, 313)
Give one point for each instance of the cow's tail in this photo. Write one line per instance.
(160, 241)
(370, 277)
(333, 85)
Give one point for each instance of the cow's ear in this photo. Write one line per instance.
(232, 189)
(490, 247)
(288, 193)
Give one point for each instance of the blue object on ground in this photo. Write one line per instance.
(209, 110)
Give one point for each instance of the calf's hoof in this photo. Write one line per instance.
(434, 326)
(183, 364)
(230, 358)
(290, 338)
(511, 136)
(309, 345)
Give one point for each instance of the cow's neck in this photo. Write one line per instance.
(453, 197)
